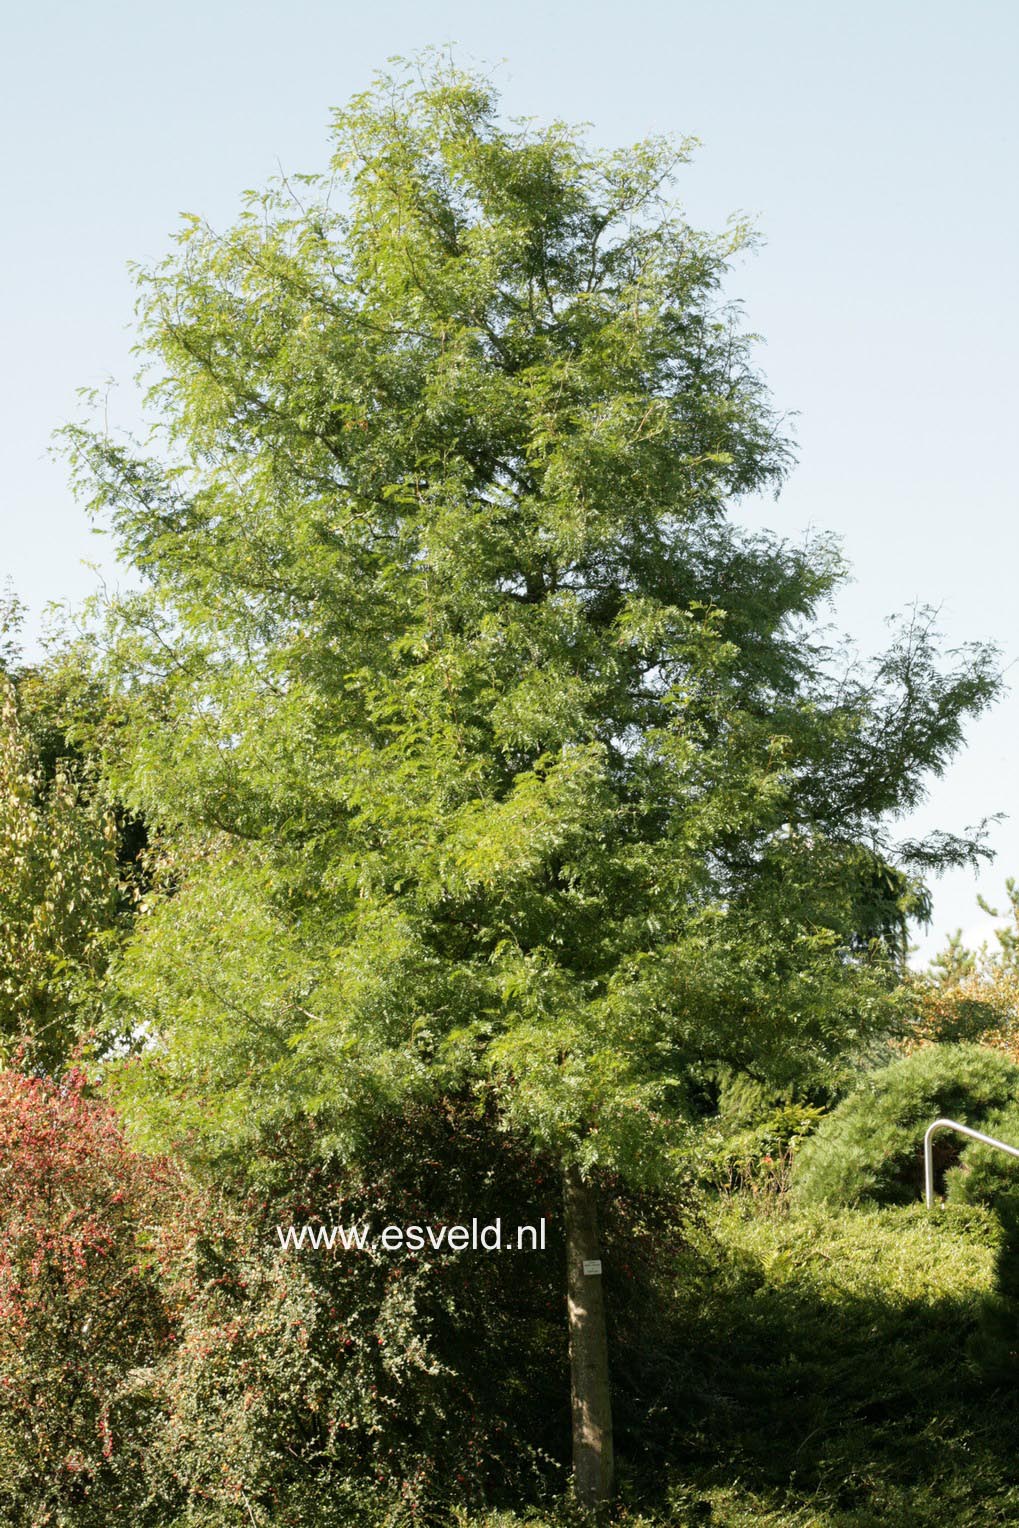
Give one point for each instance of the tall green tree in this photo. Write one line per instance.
(488, 752)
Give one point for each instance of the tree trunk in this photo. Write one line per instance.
(589, 1354)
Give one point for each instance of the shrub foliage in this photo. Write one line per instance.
(81, 1319)
(871, 1146)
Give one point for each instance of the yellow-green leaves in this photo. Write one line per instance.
(59, 893)
(514, 762)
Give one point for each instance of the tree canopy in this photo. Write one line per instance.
(487, 748)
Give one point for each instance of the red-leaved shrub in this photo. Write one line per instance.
(81, 1320)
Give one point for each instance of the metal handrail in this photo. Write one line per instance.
(928, 1150)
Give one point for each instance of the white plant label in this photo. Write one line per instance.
(592, 1265)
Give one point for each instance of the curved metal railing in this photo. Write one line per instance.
(928, 1150)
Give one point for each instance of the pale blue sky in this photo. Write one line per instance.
(874, 143)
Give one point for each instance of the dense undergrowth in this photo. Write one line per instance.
(775, 1360)
(835, 1372)
(841, 1371)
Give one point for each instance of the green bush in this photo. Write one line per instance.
(822, 1378)
(986, 1176)
(757, 1160)
(830, 1376)
(871, 1146)
(320, 1390)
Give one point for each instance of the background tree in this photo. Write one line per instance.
(488, 755)
(60, 898)
(70, 857)
(11, 616)
(972, 994)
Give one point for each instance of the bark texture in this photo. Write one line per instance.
(589, 1355)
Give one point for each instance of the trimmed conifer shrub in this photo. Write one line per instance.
(871, 1146)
